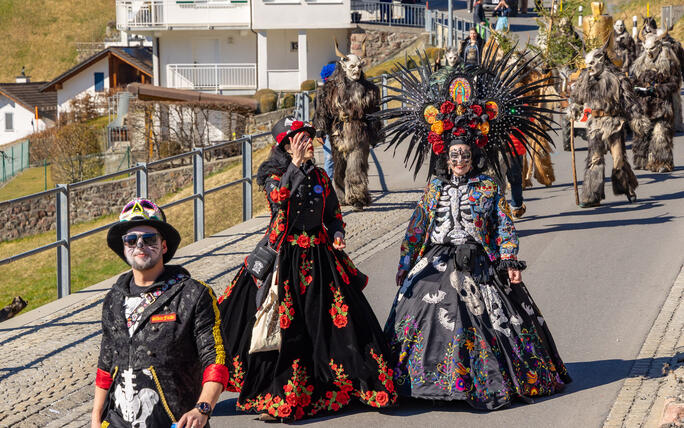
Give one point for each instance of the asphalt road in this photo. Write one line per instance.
(599, 276)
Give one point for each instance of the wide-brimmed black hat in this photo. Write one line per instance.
(143, 212)
(287, 127)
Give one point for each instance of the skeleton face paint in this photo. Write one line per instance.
(351, 64)
(619, 26)
(460, 159)
(143, 257)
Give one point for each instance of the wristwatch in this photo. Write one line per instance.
(204, 408)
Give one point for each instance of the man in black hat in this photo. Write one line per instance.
(162, 359)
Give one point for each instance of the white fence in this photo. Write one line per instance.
(388, 13)
(153, 14)
(211, 77)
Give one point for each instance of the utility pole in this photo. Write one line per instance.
(451, 24)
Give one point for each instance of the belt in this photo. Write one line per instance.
(601, 113)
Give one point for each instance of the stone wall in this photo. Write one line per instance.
(36, 215)
(382, 45)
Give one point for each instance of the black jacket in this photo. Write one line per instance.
(178, 352)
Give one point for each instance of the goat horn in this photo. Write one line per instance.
(337, 49)
(662, 36)
(363, 49)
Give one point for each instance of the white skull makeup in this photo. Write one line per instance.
(460, 154)
(351, 64)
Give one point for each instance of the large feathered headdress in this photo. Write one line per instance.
(480, 105)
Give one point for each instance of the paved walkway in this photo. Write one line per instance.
(48, 365)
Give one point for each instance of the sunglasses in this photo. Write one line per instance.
(131, 240)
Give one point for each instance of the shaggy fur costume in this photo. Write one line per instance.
(342, 113)
(653, 130)
(625, 49)
(610, 98)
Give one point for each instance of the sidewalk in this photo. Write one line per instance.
(657, 376)
(49, 355)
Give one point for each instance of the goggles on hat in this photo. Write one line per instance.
(141, 208)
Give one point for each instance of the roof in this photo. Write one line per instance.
(29, 96)
(137, 57)
(148, 92)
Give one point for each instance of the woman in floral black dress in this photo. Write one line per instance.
(332, 346)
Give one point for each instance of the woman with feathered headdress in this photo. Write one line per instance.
(463, 325)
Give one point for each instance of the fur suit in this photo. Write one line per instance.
(610, 97)
(659, 74)
(342, 113)
(625, 49)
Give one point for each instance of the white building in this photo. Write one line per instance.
(112, 67)
(237, 46)
(24, 109)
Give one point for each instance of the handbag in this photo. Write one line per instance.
(260, 261)
(266, 331)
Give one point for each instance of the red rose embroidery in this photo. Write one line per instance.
(280, 136)
(382, 398)
(459, 131)
(389, 386)
(343, 397)
(291, 400)
(473, 123)
(275, 195)
(284, 193)
(296, 125)
(303, 241)
(482, 141)
(284, 410)
(477, 109)
(340, 321)
(446, 107)
(447, 124)
(434, 137)
(281, 227)
(438, 148)
(272, 237)
(284, 322)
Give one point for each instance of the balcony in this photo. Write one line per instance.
(212, 77)
(148, 15)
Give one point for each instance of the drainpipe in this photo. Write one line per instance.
(256, 40)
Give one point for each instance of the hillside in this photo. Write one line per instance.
(40, 34)
(627, 9)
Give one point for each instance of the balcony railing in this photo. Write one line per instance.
(211, 77)
(168, 14)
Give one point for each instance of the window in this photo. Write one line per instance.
(9, 122)
(99, 82)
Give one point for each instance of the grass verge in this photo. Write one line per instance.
(30, 180)
(34, 278)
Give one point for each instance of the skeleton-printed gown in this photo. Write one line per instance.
(459, 329)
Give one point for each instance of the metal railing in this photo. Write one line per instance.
(62, 192)
(388, 13)
(14, 158)
(438, 26)
(213, 77)
(183, 13)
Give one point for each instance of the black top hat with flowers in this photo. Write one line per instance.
(143, 212)
(478, 105)
(287, 127)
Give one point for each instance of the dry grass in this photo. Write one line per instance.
(40, 34)
(31, 180)
(34, 278)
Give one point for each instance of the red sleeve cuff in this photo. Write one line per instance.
(216, 373)
(103, 379)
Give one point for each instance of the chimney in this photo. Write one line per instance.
(23, 78)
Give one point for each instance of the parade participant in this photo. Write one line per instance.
(479, 19)
(649, 26)
(453, 60)
(604, 91)
(322, 345)
(463, 326)
(471, 48)
(678, 50)
(328, 163)
(502, 10)
(656, 77)
(344, 103)
(161, 359)
(623, 45)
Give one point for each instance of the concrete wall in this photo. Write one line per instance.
(82, 83)
(23, 121)
(322, 49)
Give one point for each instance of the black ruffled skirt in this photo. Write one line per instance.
(333, 348)
(471, 337)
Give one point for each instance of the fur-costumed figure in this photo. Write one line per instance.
(602, 88)
(656, 77)
(649, 26)
(678, 50)
(344, 103)
(623, 45)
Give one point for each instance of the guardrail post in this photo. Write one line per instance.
(307, 107)
(63, 256)
(141, 181)
(247, 176)
(198, 189)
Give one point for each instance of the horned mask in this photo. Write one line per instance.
(596, 62)
(351, 64)
(452, 57)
